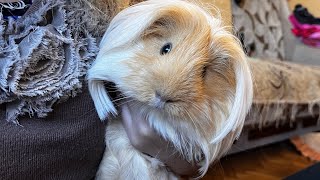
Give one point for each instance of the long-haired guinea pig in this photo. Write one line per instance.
(181, 68)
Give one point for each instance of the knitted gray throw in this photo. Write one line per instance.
(44, 55)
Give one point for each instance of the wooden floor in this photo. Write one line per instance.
(276, 161)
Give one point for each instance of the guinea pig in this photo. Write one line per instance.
(181, 68)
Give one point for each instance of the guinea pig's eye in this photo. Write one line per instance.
(166, 49)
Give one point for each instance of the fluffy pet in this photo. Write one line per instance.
(184, 71)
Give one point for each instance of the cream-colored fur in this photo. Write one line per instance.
(205, 76)
(122, 161)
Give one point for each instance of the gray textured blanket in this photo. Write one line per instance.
(44, 55)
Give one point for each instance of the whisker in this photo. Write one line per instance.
(201, 111)
(116, 90)
(192, 120)
(90, 111)
(125, 102)
(119, 99)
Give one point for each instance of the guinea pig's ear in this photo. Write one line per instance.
(228, 49)
(160, 27)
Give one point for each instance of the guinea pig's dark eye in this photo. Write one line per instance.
(166, 49)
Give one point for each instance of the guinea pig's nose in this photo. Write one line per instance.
(160, 100)
(159, 96)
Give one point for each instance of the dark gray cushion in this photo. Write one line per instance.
(68, 144)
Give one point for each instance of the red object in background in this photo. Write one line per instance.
(305, 33)
(309, 34)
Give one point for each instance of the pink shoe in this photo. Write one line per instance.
(298, 25)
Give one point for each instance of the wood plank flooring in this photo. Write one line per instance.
(271, 162)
